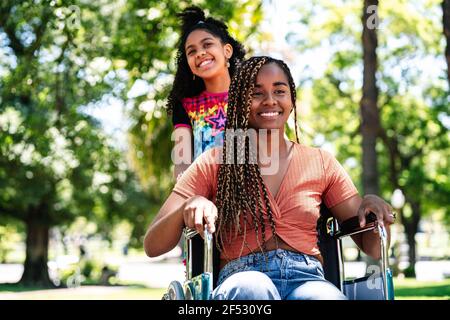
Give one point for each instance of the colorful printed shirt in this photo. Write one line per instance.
(206, 115)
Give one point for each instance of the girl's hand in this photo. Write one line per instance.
(382, 209)
(199, 211)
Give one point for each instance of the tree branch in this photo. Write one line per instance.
(39, 31)
(9, 29)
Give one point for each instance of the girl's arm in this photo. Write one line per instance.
(182, 152)
(368, 242)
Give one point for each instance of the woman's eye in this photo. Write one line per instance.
(257, 94)
(191, 52)
(280, 91)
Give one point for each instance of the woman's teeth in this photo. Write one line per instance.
(269, 114)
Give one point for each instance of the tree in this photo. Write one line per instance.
(60, 58)
(55, 161)
(370, 119)
(446, 25)
(413, 102)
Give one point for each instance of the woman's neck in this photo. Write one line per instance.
(218, 84)
(274, 144)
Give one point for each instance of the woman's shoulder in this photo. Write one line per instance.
(211, 157)
(307, 150)
(313, 152)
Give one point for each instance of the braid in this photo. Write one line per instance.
(242, 196)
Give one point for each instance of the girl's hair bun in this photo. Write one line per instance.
(190, 17)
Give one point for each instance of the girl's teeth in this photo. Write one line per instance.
(205, 63)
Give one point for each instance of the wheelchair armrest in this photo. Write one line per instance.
(351, 226)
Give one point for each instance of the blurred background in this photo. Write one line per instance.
(85, 141)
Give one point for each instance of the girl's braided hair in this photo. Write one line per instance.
(193, 18)
(242, 199)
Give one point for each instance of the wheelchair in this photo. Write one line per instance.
(199, 277)
(202, 262)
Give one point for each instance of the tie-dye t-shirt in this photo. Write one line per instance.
(207, 116)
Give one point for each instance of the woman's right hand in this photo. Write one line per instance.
(199, 211)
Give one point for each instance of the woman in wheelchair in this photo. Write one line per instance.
(261, 194)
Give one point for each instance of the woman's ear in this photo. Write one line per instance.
(228, 50)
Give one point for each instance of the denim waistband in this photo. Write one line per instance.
(269, 255)
(271, 260)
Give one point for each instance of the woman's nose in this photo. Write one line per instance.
(269, 100)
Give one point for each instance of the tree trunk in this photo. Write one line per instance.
(446, 23)
(35, 268)
(368, 106)
(411, 227)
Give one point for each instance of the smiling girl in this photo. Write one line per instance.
(207, 58)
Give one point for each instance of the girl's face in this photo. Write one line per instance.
(271, 99)
(206, 55)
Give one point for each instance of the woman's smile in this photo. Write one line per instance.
(269, 115)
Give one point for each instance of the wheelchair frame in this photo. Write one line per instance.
(196, 286)
(330, 235)
(200, 282)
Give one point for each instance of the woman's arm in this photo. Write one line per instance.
(177, 212)
(182, 151)
(165, 231)
(368, 242)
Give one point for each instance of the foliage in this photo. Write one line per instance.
(413, 99)
(10, 237)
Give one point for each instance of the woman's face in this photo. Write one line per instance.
(206, 55)
(271, 99)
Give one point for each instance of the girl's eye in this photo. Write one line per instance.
(191, 52)
(208, 44)
(257, 94)
(280, 91)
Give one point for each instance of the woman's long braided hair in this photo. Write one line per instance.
(193, 18)
(242, 199)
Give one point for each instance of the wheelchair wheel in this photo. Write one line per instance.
(175, 291)
(189, 291)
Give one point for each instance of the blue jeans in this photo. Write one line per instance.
(279, 274)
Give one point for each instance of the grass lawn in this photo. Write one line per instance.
(129, 292)
(411, 289)
(405, 289)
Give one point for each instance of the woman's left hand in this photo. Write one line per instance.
(382, 209)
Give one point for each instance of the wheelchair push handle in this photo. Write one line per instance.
(207, 250)
(351, 227)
